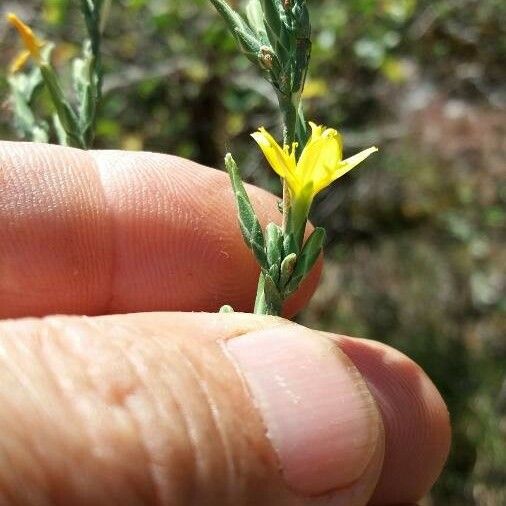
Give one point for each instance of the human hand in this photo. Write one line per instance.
(180, 408)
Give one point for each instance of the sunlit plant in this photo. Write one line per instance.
(276, 36)
(74, 121)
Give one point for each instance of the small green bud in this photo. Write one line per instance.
(287, 268)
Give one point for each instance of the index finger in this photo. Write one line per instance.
(102, 232)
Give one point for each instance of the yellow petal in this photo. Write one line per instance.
(19, 61)
(281, 160)
(32, 43)
(321, 152)
(350, 163)
(316, 130)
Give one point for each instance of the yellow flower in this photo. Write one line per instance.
(320, 163)
(32, 43)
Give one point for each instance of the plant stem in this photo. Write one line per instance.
(260, 297)
(293, 131)
(263, 305)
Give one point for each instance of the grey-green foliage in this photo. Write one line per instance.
(67, 125)
(87, 92)
(283, 267)
(248, 221)
(307, 258)
(87, 71)
(24, 88)
(74, 124)
(275, 35)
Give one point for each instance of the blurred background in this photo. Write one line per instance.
(416, 252)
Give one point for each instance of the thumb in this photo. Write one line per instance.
(182, 409)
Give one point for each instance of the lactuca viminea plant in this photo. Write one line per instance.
(74, 123)
(276, 36)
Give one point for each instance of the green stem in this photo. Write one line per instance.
(293, 131)
(263, 304)
(289, 115)
(260, 306)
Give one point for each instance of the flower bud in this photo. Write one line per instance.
(266, 58)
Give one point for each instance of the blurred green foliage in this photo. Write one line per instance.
(416, 252)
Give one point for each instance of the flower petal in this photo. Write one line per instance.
(32, 43)
(350, 163)
(316, 130)
(321, 152)
(281, 160)
(19, 61)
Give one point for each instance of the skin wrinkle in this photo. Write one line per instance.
(199, 475)
(64, 395)
(215, 416)
(192, 436)
(247, 449)
(60, 401)
(7, 462)
(106, 495)
(113, 246)
(258, 479)
(34, 444)
(139, 388)
(132, 357)
(185, 423)
(27, 442)
(153, 196)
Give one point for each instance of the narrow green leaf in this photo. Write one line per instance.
(255, 17)
(274, 248)
(307, 258)
(274, 238)
(248, 221)
(272, 16)
(273, 298)
(249, 44)
(289, 244)
(23, 88)
(66, 115)
(233, 20)
(61, 135)
(274, 273)
(86, 88)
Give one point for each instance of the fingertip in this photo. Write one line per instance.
(112, 232)
(415, 416)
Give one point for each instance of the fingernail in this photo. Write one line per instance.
(318, 413)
